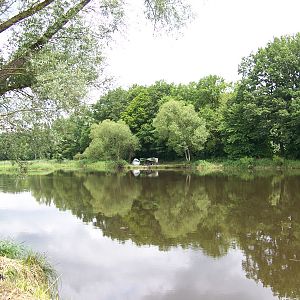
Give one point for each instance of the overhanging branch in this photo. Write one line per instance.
(24, 14)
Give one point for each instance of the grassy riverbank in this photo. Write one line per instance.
(49, 166)
(24, 274)
(40, 167)
(247, 163)
(205, 166)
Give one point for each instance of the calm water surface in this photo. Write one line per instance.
(160, 236)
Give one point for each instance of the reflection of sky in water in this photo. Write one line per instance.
(96, 267)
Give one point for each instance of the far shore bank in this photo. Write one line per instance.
(43, 167)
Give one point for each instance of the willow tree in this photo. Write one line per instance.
(51, 51)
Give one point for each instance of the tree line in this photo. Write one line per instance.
(259, 116)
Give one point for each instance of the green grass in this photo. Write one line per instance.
(10, 249)
(264, 163)
(248, 164)
(206, 166)
(43, 167)
(48, 166)
(26, 274)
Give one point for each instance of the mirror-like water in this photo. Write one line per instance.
(160, 236)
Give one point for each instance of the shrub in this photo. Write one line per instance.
(246, 162)
(79, 156)
(279, 161)
(117, 165)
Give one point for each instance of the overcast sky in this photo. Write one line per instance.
(222, 33)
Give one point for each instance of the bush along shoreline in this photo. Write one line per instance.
(25, 274)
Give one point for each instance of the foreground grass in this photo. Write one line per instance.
(24, 274)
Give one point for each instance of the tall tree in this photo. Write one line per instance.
(209, 96)
(207, 92)
(263, 119)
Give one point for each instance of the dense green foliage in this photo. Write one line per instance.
(71, 136)
(111, 105)
(181, 127)
(141, 104)
(263, 118)
(26, 144)
(111, 140)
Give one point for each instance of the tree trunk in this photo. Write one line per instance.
(185, 154)
(188, 154)
(281, 149)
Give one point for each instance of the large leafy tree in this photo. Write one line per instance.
(181, 127)
(209, 96)
(111, 105)
(51, 58)
(263, 118)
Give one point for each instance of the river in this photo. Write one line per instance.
(160, 235)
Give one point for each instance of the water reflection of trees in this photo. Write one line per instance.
(269, 233)
(259, 215)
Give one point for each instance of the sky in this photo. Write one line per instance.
(222, 33)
